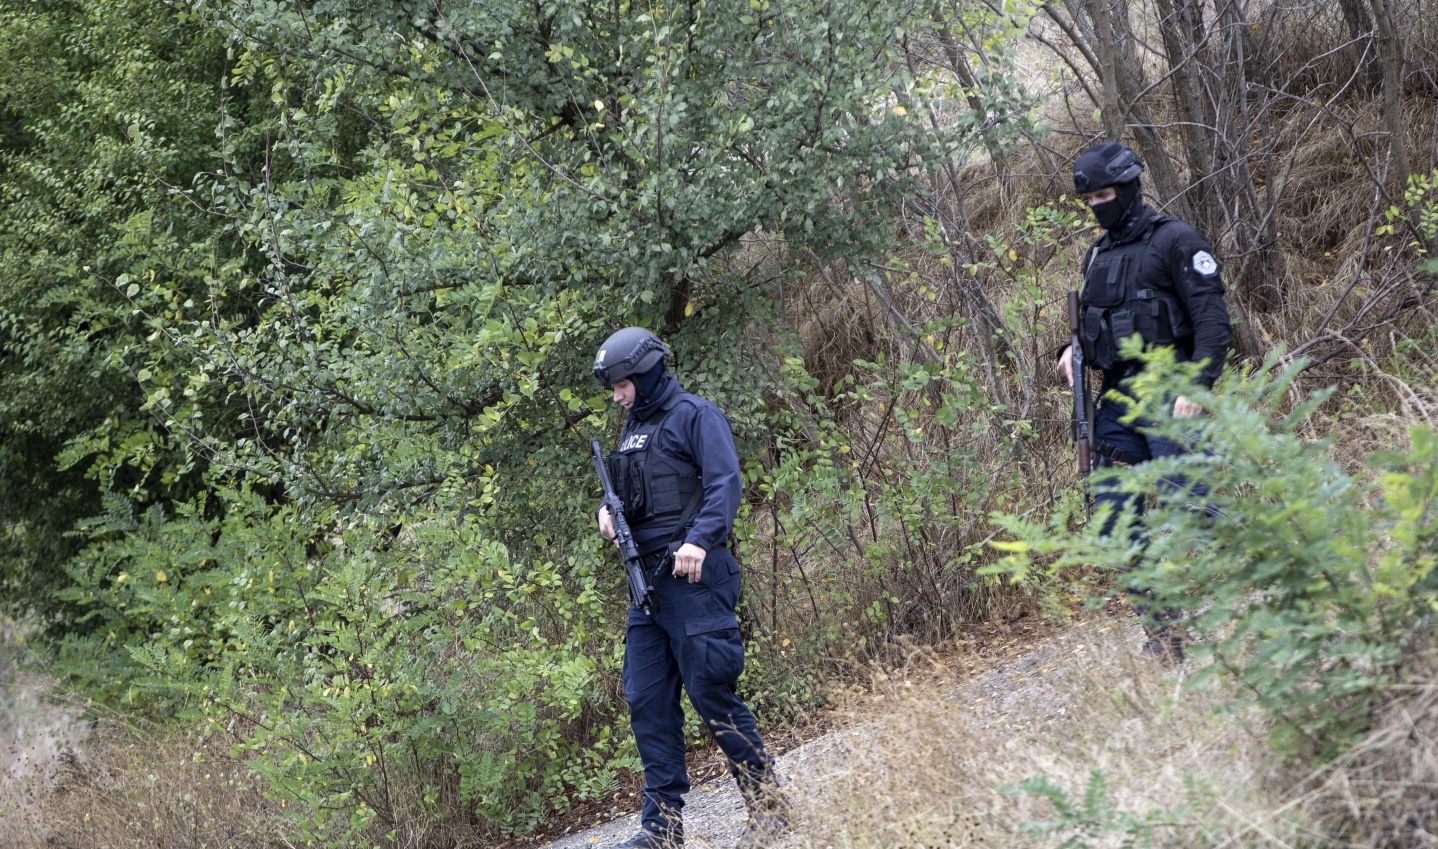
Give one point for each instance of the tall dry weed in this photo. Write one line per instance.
(1384, 793)
(127, 789)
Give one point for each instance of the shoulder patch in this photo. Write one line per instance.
(1205, 264)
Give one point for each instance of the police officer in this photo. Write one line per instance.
(1155, 276)
(677, 474)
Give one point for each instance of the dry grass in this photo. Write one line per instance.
(1311, 48)
(927, 762)
(125, 789)
(1384, 793)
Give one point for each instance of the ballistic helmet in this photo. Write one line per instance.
(626, 353)
(1107, 164)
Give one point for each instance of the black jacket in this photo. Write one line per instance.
(1156, 277)
(673, 446)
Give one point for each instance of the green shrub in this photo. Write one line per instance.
(1304, 581)
(871, 496)
(380, 681)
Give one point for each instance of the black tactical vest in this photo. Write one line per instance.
(656, 488)
(1121, 298)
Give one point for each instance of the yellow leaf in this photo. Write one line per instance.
(688, 309)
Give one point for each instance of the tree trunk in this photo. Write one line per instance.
(1185, 40)
(1124, 88)
(1394, 71)
(1362, 49)
(1254, 227)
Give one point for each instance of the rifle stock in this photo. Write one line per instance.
(1081, 437)
(641, 594)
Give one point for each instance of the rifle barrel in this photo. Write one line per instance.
(1080, 400)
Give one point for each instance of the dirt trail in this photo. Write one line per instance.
(33, 733)
(1015, 696)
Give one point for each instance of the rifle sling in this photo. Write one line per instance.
(690, 511)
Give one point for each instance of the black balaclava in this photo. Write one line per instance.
(1115, 215)
(645, 384)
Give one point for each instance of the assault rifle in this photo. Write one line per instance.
(641, 594)
(1081, 408)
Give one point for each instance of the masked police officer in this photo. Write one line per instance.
(1155, 276)
(677, 474)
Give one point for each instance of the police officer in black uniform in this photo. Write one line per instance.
(1155, 276)
(677, 473)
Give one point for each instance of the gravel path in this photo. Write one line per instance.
(33, 734)
(1015, 697)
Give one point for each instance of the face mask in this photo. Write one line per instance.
(1112, 214)
(1109, 213)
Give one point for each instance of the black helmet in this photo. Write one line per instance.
(626, 353)
(1103, 165)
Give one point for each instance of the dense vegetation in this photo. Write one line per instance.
(298, 304)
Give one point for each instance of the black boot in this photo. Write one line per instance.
(651, 840)
(1163, 629)
(1166, 642)
(769, 814)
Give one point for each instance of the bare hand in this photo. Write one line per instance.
(606, 525)
(689, 561)
(1185, 409)
(1066, 365)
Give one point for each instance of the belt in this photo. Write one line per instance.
(1116, 454)
(654, 560)
(1116, 374)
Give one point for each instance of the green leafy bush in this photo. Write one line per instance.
(380, 578)
(378, 680)
(873, 492)
(1305, 582)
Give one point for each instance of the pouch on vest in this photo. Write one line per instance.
(1178, 320)
(1097, 341)
(664, 494)
(1122, 325)
(629, 486)
(1107, 272)
(1162, 320)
